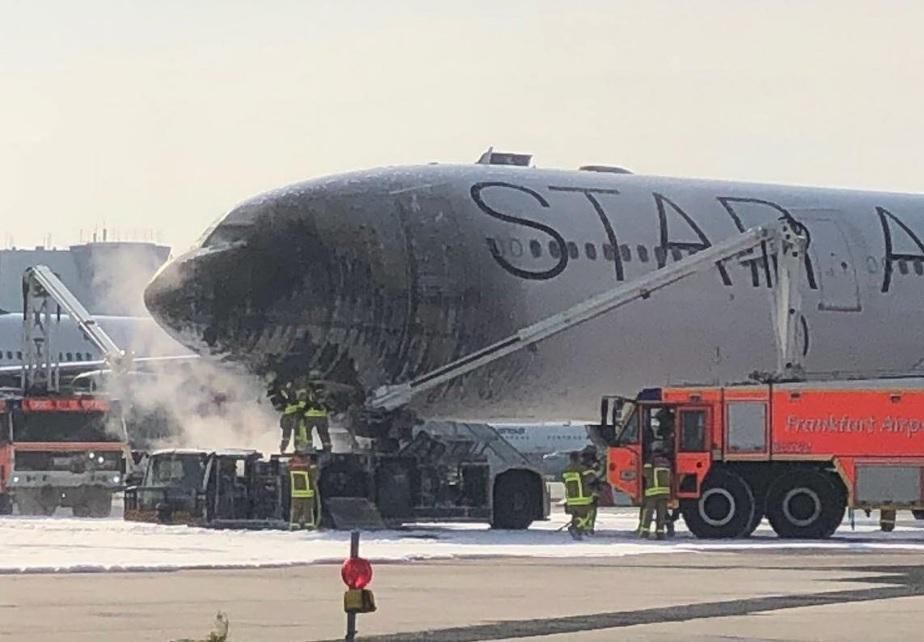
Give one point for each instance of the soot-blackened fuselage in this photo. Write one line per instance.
(374, 277)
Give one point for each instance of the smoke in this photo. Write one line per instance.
(194, 403)
(198, 404)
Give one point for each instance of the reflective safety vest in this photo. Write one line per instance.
(658, 480)
(302, 437)
(576, 492)
(293, 408)
(315, 412)
(300, 482)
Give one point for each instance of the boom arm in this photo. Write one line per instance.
(39, 284)
(780, 238)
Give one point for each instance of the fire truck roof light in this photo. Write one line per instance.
(356, 573)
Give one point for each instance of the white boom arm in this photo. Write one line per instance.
(781, 239)
(39, 284)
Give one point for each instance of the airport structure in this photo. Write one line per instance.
(107, 276)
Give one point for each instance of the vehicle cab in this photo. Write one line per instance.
(634, 429)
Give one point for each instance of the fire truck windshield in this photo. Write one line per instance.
(629, 423)
(64, 427)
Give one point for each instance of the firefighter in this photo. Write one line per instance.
(293, 404)
(580, 501)
(316, 420)
(657, 489)
(303, 496)
(887, 519)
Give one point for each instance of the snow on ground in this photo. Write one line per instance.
(61, 544)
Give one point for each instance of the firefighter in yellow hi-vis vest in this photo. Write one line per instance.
(580, 497)
(303, 497)
(657, 477)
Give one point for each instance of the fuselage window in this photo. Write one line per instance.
(89, 357)
(535, 248)
(572, 249)
(676, 254)
(516, 248)
(903, 266)
(918, 267)
(591, 251)
(625, 253)
(19, 354)
(642, 253)
(70, 356)
(495, 247)
(554, 249)
(60, 357)
(9, 354)
(608, 252)
(660, 254)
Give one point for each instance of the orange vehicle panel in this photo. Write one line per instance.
(847, 423)
(624, 471)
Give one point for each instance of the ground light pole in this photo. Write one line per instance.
(356, 573)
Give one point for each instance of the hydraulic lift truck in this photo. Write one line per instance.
(447, 472)
(216, 489)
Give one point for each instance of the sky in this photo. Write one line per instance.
(154, 118)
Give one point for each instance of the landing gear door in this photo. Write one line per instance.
(624, 460)
(692, 451)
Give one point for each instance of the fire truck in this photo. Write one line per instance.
(796, 453)
(60, 450)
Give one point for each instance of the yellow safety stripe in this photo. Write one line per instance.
(315, 412)
(291, 409)
(301, 484)
(575, 494)
(660, 482)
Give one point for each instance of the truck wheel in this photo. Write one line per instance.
(6, 504)
(725, 509)
(516, 500)
(34, 501)
(99, 502)
(918, 514)
(805, 504)
(81, 510)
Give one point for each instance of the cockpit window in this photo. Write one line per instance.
(227, 233)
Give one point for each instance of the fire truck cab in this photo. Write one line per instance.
(796, 453)
(60, 450)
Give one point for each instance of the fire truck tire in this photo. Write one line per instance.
(725, 509)
(6, 504)
(99, 502)
(805, 504)
(517, 498)
(918, 514)
(36, 501)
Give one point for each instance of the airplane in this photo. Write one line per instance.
(139, 335)
(374, 277)
(546, 445)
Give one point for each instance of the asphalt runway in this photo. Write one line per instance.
(731, 595)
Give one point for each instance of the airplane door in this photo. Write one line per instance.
(834, 266)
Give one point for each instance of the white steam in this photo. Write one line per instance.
(192, 404)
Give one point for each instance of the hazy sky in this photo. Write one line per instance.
(162, 115)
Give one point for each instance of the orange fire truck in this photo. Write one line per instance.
(796, 453)
(60, 450)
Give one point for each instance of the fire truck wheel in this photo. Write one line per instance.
(34, 501)
(725, 508)
(6, 504)
(918, 514)
(805, 504)
(99, 502)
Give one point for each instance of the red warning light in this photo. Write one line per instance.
(356, 573)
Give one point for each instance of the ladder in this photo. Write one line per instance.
(44, 297)
(782, 239)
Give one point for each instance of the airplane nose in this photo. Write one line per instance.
(169, 297)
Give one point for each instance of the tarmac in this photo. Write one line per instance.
(752, 594)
